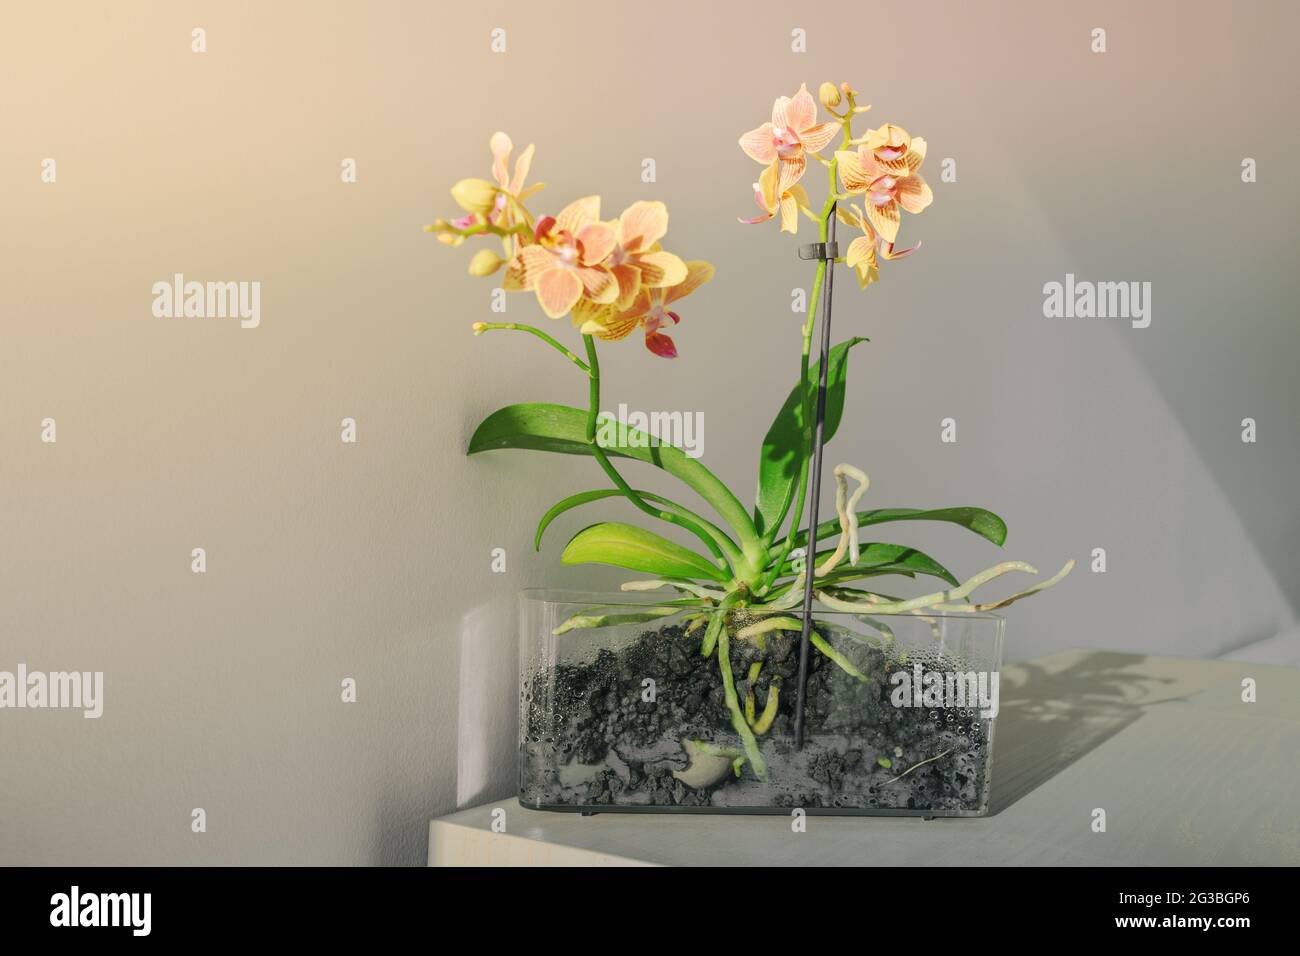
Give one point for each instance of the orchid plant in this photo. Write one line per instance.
(613, 278)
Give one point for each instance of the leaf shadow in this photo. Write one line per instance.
(1050, 719)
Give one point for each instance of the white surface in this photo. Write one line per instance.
(1187, 773)
(1282, 649)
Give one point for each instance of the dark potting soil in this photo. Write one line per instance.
(594, 739)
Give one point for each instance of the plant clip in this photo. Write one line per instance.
(820, 250)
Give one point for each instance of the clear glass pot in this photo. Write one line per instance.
(632, 716)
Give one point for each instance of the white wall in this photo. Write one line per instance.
(371, 561)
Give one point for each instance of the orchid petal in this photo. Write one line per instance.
(780, 112)
(586, 314)
(768, 180)
(789, 213)
(915, 154)
(629, 283)
(887, 136)
(501, 146)
(558, 291)
(599, 285)
(792, 170)
(884, 219)
(861, 250)
(610, 328)
(801, 111)
(816, 138)
(522, 165)
(914, 193)
(660, 269)
(525, 268)
(852, 176)
(661, 345)
(598, 242)
(887, 251)
(849, 215)
(579, 213)
(642, 225)
(758, 144)
(698, 272)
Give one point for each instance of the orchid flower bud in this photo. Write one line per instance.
(485, 262)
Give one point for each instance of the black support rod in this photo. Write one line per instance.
(828, 252)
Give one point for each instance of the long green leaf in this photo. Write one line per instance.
(586, 497)
(562, 429)
(783, 446)
(877, 556)
(627, 546)
(982, 522)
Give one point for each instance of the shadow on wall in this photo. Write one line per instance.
(488, 707)
(1050, 719)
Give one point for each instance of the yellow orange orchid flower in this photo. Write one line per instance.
(787, 204)
(498, 205)
(649, 310)
(637, 260)
(865, 251)
(892, 148)
(565, 261)
(510, 192)
(885, 169)
(793, 131)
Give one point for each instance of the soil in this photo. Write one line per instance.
(592, 740)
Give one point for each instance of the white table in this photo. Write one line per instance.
(1187, 773)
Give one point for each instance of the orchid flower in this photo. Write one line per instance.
(649, 310)
(498, 207)
(507, 205)
(865, 251)
(885, 168)
(787, 204)
(637, 260)
(793, 131)
(565, 261)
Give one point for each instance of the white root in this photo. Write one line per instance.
(846, 506)
(939, 600)
(656, 584)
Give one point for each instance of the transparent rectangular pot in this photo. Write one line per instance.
(632, 717)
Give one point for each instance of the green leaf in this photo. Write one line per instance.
(982, 522)
(586, 497)
(568, 504)
(540, 427)
(879, 557)
(561, 429)
(783, 446)
(627, 546)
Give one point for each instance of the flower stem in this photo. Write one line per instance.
(480, 327)
(593, 410)
(801, 492)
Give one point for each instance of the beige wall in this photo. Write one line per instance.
(371, 561)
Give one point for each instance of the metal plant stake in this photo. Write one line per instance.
(828, 251)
